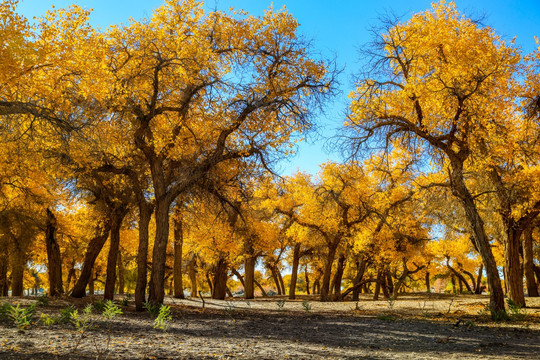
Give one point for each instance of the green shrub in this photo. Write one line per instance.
(163, 319)
(280, 304)
(151, 308)
(111, 310)
(65, 314)
(99, 305)
(306, 306)
(517, 312)
(22, 317)
(43, 300)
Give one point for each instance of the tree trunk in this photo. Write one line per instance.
(514, 272)
(178, 242)
(384, 285)
(281, 282)
(453, 280)
(377, 285)
(121, 273)
(209, 281)
(249, 284)
(478, 289)
(260, 288)
(54, 260)
(306, 276)
(480, 238)
(294, 272)
(273, 271)
(18, 263)
(360, 270)
(389, 282)
(336, 281)
(159, 254)
(428, 284)
(91, 284)
(70, 275)
(192, 273)
(145, 214)
(220, 280)
(325, 288)
(114, 244)
(3, 274)
(92, 252)
(528, 264)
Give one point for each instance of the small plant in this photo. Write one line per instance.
(280, 304)
(43, 300)
(151, 308)
(517, 312)
(230, 308)
(391, 301)
(111, 310)
(4, 310)
(386, 317)
(46, 319)
(65, 314)
(496, 315)
(306, 306)
(99, 305)
(21, 317)
(163, 319)
(82, 321)
(125, 301)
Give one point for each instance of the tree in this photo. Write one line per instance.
(432, 93)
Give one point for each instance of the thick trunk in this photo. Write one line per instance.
(453, 280)
(294, 272)
(54, 260)
(325, 288)
(3, 274)
(514, 273)
(460, 283)
(378, 285)
(121, 273)
(70, 275)
(384, 285)
(159, 254)
(91, 284)
(249, 276)
(390, 284)
(428, 284)
(481, 240)
(338, 276)
(360, 270)
(112, 257)
(478, 288)
(18, 263)
(528, 264)
(145, 213)
(220, 280)
(192, 273)
(92, 252)
(177, 267)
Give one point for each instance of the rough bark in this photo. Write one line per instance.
(378, 285)
(360, 270)
(325, 287)
(294, 271)
(513, 271)
(177, 267)
(481, 240)
(92, 252)
(281, 282)
(3, 275)
(336, 281)
(121, 273)
(249, 284)
(145, 214)
(209, 281)
(528, 264)
(159, 254)
(70, 275)
(478, 289)
(273, 271)
(54, 260)
(220, 280)
(112, 258)
(91, 284)
(306, 277)
(18, 263)
(427, 282)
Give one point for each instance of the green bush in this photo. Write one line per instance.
(151, 308)
(163, 319)
(22, 317)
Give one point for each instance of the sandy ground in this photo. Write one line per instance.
(413, 327)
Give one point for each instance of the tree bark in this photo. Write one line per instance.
(453, 280)
(159, 254)
(273, 271)
(263, 292)
(528, 263)
(3, 274)
(92, 252)
(325, 287)
(54, 259)
(91, 284)
(478, 289)
(294, 271)
(428, 283)
(481, 241)
(209, 281)
(360, 270)
(378, 285)
(18, 263)
(192, 273)
(178, 243)
(513, 270)
(306, 277)
(220, 280)
(70, 275)
(336, 281)
(281, 282)
(249, 277)
(114, 244)
(145, 214)
(121, 273)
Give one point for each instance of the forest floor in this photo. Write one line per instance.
(416, 326)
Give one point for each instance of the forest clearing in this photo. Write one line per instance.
(418, 326)
(143, 213)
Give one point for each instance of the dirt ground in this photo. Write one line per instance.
(417, 326)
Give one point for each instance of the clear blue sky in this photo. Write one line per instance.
(337, 28)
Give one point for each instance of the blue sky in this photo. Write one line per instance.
(337, 29)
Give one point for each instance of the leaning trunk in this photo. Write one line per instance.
(294, 273)
(336, 281)
(360, 270)
(478, 288)
(112, 258)
(54, 260)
